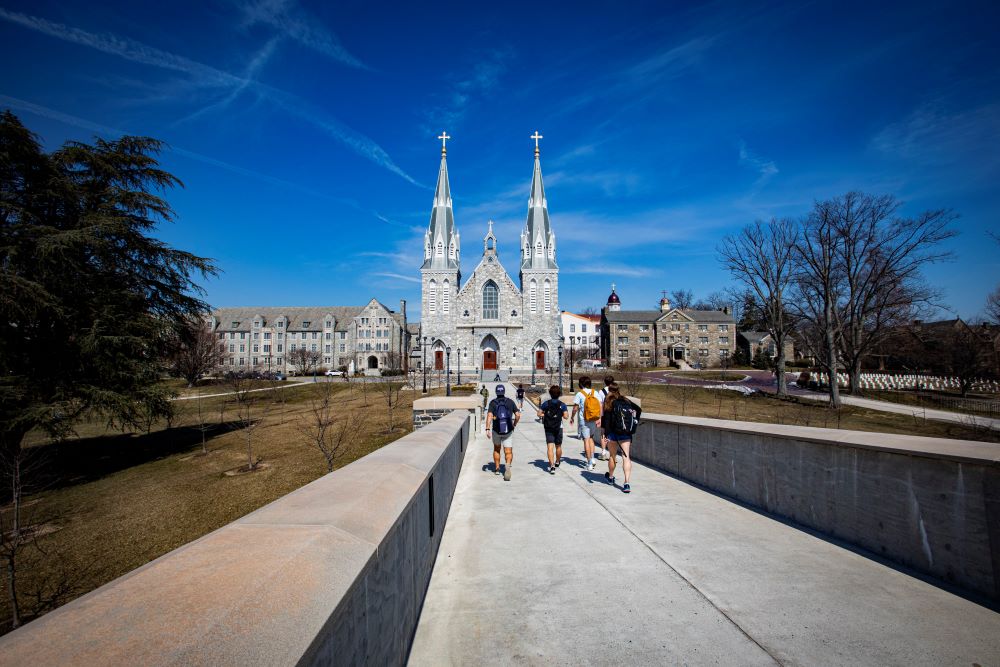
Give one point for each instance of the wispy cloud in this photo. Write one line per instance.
(935, 135)
(104, 130)
(608, 270)
(766, 169)
(398, 276)
(207, 75)
(478, 83)
(292, 21)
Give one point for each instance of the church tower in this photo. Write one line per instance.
(440, 274)
(539, 270)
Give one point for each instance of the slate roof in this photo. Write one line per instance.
(297, 316)
(650, 316)
(754, 336)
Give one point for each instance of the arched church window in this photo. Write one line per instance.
(548, 296)
(440, 249)
(446, 297)
(491, 301)
(432, 296)
(533, 295)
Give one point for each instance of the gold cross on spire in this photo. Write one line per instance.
(444, 137)
(536, 137)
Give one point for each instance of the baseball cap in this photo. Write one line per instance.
(500, 390)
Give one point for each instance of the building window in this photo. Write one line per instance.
(702, 352)
(305, 325)
(622, 354)
(342, 348)
(281, 324)
(572, 328)
(279, 347)
(243, 348)
(432, 290)
(328, 335)
(675, 327)
(313, 349)
(232, 348)
(255, 361)
(256, 335)
(445, 297)
(267, 349)
(256, 324)
(235, 325)
(702, 327)
(547, 289)
(267, 335)
(256, 348)
(623, 327)
(723, 340)
(643, 327)
(623, 340)
(325, 349)
(280, 361)
(644, 340)
(243, 335)
(723, 327)
(491, 301)
(643, 353)
(723, 354)
(703, 339)
(533, 295)
(583, 328)
(343, 335)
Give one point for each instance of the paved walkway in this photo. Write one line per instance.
(568, 570)
(915, 411)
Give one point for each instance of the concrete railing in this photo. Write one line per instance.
(930, 504)
(333, 573)
(428, 410)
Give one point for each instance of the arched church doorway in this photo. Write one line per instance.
(540, 355)
(373, 362)
(491, 352)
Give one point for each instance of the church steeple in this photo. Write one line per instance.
(441, 241)
(538, 243)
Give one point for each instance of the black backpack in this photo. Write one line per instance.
(503, 416)
(625, 417)
(552, 415)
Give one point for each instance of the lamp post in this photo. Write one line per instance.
(533, 364)
(560, 366)
(571, 359)
(459, 366)
(423, 361)
(447, 374)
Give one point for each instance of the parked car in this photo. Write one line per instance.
(333, 373)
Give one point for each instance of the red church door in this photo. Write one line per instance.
(540, 360)
(489, 360)
(439, 360)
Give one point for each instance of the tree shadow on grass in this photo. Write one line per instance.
(76, 461)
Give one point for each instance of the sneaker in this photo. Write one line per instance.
(591, 466)
(558, 462)
(552, 470)
(627, 488)
(605, 456)
(496, 470)
(506, 473)
(607, 476)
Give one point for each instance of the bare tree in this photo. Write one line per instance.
(393, 361)
(630, 377)
(763, 257)
(818, 283)
(993, 306)
(251, 410)
(304, 359)
(589, 310)
(196, 351)
(327, 430)
(880, 257)
(390, 390)
(714, 301)
(681, 298)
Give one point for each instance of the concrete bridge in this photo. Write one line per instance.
(740, 544)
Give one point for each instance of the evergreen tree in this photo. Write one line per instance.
(89, 301)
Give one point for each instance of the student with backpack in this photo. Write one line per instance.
(520, 396)
(504, 415)
(552, 413)
(587, 404)
(620, 419)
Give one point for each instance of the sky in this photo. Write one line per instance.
(305, 133)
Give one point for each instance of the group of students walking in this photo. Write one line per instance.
(605, 414)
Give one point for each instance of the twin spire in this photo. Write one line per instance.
(442, 245)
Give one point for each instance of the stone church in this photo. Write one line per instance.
(489, 321)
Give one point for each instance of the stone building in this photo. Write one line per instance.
(657, 337)
(365, 337)
(752, 342)
(491, 321)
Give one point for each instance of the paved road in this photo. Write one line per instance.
(568, 570)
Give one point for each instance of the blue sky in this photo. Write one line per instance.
(305, 133)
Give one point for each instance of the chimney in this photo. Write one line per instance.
(402, 308)
(725, 309)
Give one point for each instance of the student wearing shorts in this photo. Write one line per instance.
(615, 441)
(552, 413)
(588, 428)
(499, 406)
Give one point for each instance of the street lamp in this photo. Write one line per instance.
(423, 361)
(447, 373)
(571, 358)
(560, 365)
(533, 363)
(459, 366)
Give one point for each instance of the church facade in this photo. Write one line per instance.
(489, 321)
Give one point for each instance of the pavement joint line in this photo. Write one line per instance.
(659, 557)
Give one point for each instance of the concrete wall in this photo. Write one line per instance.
(333, 573)
(428, 410)
(927, 503)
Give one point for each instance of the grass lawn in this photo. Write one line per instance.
(759, 407)
(949, 401)
(110, 502)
